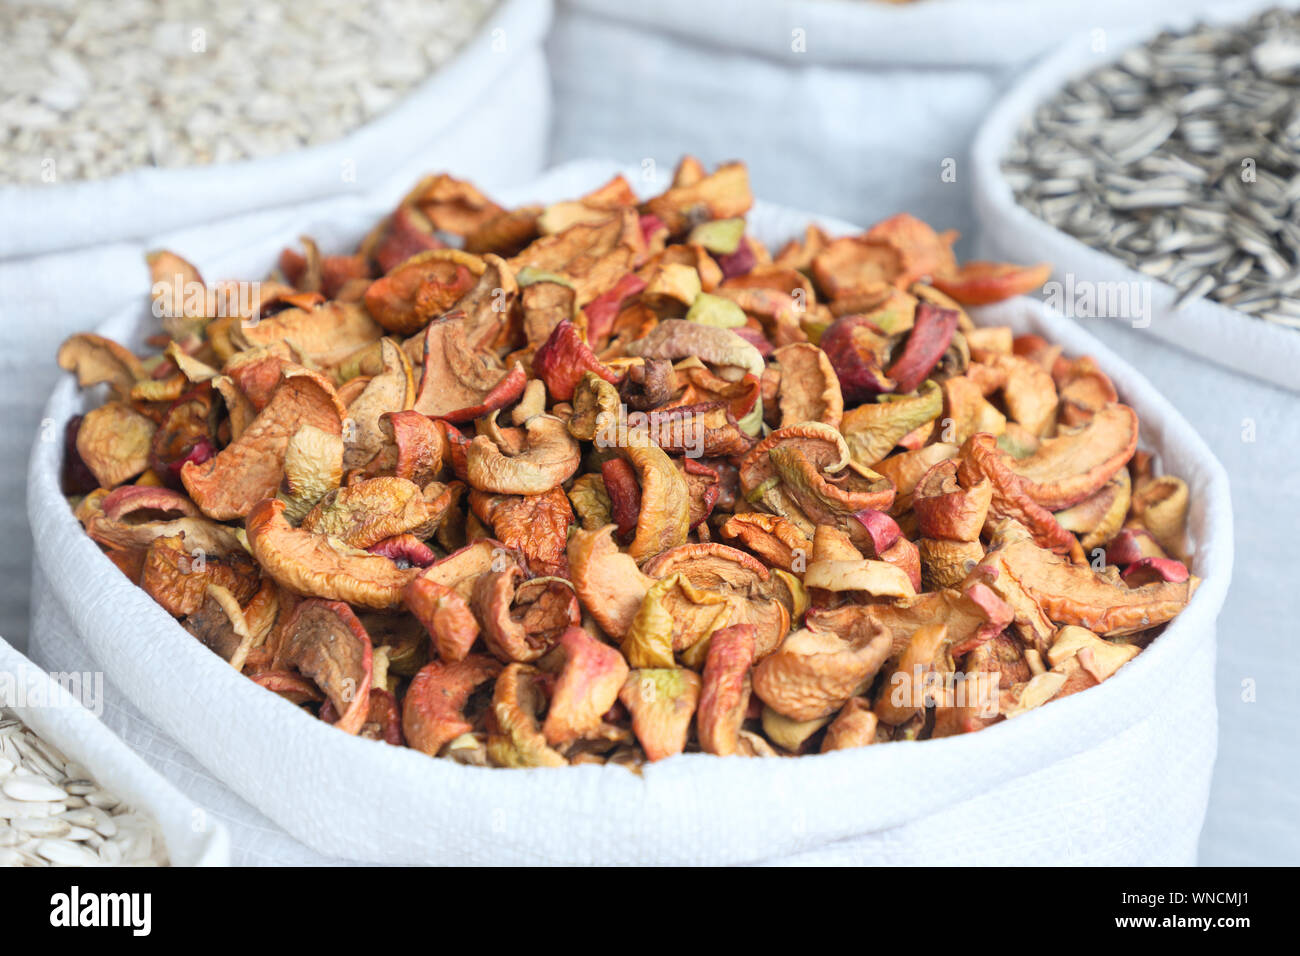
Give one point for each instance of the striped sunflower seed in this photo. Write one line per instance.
(1181, 158)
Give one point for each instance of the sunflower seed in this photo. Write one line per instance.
(52, 813)
(66, 854)
(264, 77)
(31, 788)
(1181, 158)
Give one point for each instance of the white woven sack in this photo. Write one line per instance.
(72, 252)
(60, 718)
(1118, 774)
(1008, 231)
(852, 109)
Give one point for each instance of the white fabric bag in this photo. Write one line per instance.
(1009, 231)
(1118, 774)
(850, 108)
(60, 718)
(70, 253)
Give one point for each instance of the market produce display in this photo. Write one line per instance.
(607, 480)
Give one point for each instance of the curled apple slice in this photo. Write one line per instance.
(983, 283)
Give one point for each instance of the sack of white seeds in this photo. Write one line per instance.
(64, 796)
(1117, 774)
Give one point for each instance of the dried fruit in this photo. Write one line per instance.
(114, 442)
(587, 687)
(327, 644)
(809, 389)
(926, 343)
(982, 283)
(251, 468)
(724, 695)
(515, 736)
(814, 672)
(433, 711)
(854, 726)
(662, 702)
(459, 384)
(318, 566)
(548, 458)
(555, 508)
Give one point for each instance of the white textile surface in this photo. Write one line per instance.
(1074, 771)
(65, 265)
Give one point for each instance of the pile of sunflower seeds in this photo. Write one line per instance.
(53, 814)
(1183, 160)
(92, 88)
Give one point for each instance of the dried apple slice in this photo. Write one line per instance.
(608, 582)
(983, 283)
(805, 473)
(315, 565)
(325, 642)
(1071, 467)
(97, 360)
(980, 458)
(115, 441)
(322, 336)
(368, 511)
(523, 619)
(964, 616)
(433, 709)
(854, 726)
(707, 569)
(858, 349)
(674, 616)
(809, 389)
(873, 430)
(664, 519)
(445, 615)
(459, 384)
(515, 736)
(1075, 594)
(947, 509)
(564, 359)
(924, 252)
(725, 690)
(926, 342)
(548, 458)
(452, 205)
(588, 685)
(723, 194)
(392, 390)
(855, 265)
(1099, 517)
(662, 702)
(907, 684)
(776, 540)
(133, 515)
(251, 468)
(814, 672)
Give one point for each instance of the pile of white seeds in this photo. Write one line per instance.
(53, 814)
(93, 88)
